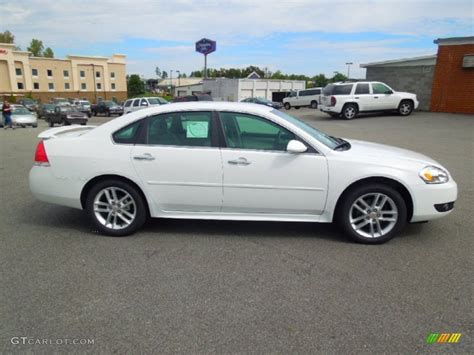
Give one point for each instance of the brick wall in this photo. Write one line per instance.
(453, 85)
(414, 79)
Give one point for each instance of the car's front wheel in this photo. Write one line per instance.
(287, 106)
(116, 208)
(372, 214)
(405, 108)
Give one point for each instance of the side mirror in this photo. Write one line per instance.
(144, 103)
(295, 147)
(389, 92)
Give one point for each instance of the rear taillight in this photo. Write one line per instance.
(333, 101)
(41, 158)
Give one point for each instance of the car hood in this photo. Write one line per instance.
(23, 118)
(387, 153)
(405, 94)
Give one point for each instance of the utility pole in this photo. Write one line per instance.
(349, 69)
(171, 82)
(179, 77)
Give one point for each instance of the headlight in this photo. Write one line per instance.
(434, 175)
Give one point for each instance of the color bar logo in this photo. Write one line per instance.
(451, 338)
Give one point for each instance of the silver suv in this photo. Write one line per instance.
(347, 99)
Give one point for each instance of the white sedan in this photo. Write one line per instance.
(235, 161)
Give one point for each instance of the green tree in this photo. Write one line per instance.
(36, 48)
(320, 80)
(338, 77)
(164, 75)
(158, 72)
(135, 86)
(48, 53)
(7, 37)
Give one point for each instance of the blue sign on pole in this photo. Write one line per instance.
(205, 46)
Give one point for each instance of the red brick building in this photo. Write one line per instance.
(453, 82)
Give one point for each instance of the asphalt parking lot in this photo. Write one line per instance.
(182, 286)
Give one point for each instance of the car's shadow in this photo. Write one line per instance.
(57, 219)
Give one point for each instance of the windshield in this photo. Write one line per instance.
(155, 101)
(322, 137)
(20, 111)
(84, 103)
(109, 103)
(48, 106)
(263, 100)
(68, 109)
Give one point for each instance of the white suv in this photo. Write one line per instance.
(308, 97)
(142, 102)
(347, 99)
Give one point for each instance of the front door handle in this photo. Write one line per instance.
(146, 156)
(240, 161)
(376, 97)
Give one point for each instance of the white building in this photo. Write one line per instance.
(224, 89)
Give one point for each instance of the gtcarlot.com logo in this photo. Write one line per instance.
(51, 341)
(450, 338)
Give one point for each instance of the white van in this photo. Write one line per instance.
(142, 102)
(301, 98)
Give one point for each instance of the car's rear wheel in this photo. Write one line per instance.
(287, 106)
(405, 108)
(372, 214)
(349, 111)
(116, 208)
(314, 104)
(297, 107)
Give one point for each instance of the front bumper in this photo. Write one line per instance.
(430, 201)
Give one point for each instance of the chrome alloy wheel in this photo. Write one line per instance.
(373, 215)
(350, 112)
(114, 208)
(405, 108)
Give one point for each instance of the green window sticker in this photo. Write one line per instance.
(197, 129)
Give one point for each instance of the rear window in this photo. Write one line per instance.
(129, 134)
(344, 89)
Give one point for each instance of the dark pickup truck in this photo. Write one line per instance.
(107, 108)
(66, 115)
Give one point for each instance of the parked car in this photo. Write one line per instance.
(60, 101)
(235, 161)
(67, 115)
(263, 101)
(83, 106)
(142, 102)
(348, 99)
(30, 104)
(107, 108)
(45, 110)
(302, 98)
(21, 116)
(194, 97)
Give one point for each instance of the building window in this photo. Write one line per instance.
(82, 74)
(113, 86)
(49, 72)
(34, 72)
(83, 86)
(18, 71)
(97, 74)
(66, 86)
(36, 86)
(99, 86)
(51, 86)
(66, 73)
(112, 75)
(20, 86)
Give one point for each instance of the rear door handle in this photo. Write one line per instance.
(356, 97)
(146, 156)
(239, 161)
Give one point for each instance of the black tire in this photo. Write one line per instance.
(314, 104)
(297, 107)
(108, 113)
(287, 105)
(83, 124)
(343, 214)
(405, 108)
(35, 126)
(50, 123)
(94, 113)
(140, 212)
(349, 111)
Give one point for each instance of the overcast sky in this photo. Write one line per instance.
(295, 36)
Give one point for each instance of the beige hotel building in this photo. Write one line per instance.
(82, 77)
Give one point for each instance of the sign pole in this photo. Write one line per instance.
(205, 66)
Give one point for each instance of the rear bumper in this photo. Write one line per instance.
(46, 187)
(329, 109)
(433, 201)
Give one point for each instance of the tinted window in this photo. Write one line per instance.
(244, 131)
(128, 103)
(379, 88)
(362, 89)
(318, 91)
(292, 94)
(136, 103)
(129, 134)
(191, 129)
(143, 102)
(338, 89)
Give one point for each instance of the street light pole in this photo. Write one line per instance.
(171, 81)
(179, 79)
(95, 85)
(349, 69)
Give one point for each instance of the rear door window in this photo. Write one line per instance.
(129, 134)
(136, 103)
(362, 89)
